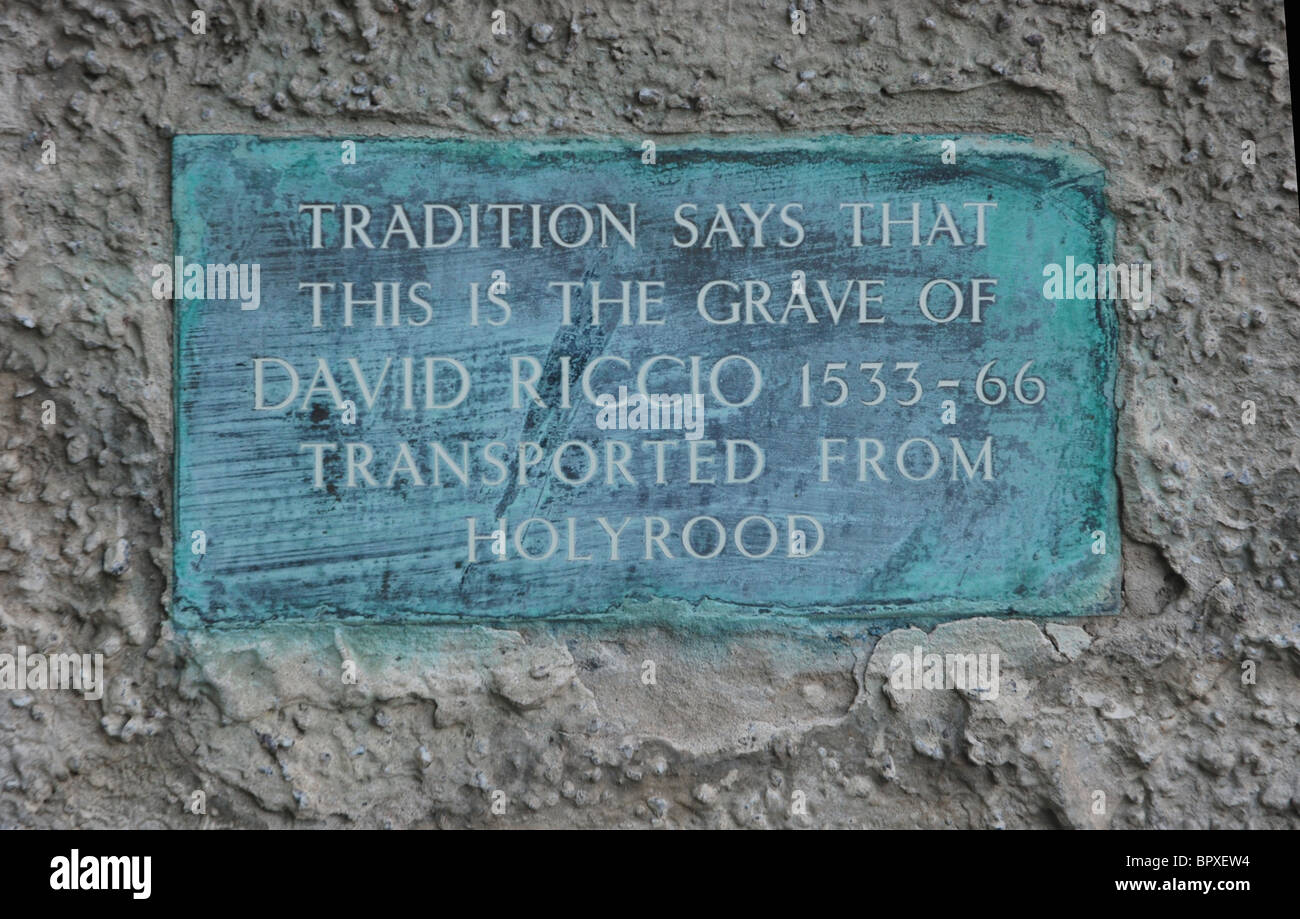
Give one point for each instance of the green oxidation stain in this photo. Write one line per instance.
(281, 550)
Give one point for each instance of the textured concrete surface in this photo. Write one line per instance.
(741, 728)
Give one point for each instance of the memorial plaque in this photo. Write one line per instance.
(424, 380)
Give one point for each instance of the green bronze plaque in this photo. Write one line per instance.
(421, 380)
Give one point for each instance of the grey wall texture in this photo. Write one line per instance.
(1180, 712)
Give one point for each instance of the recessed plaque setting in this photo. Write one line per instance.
(849, 377)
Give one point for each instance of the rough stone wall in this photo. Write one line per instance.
(1149, 707)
